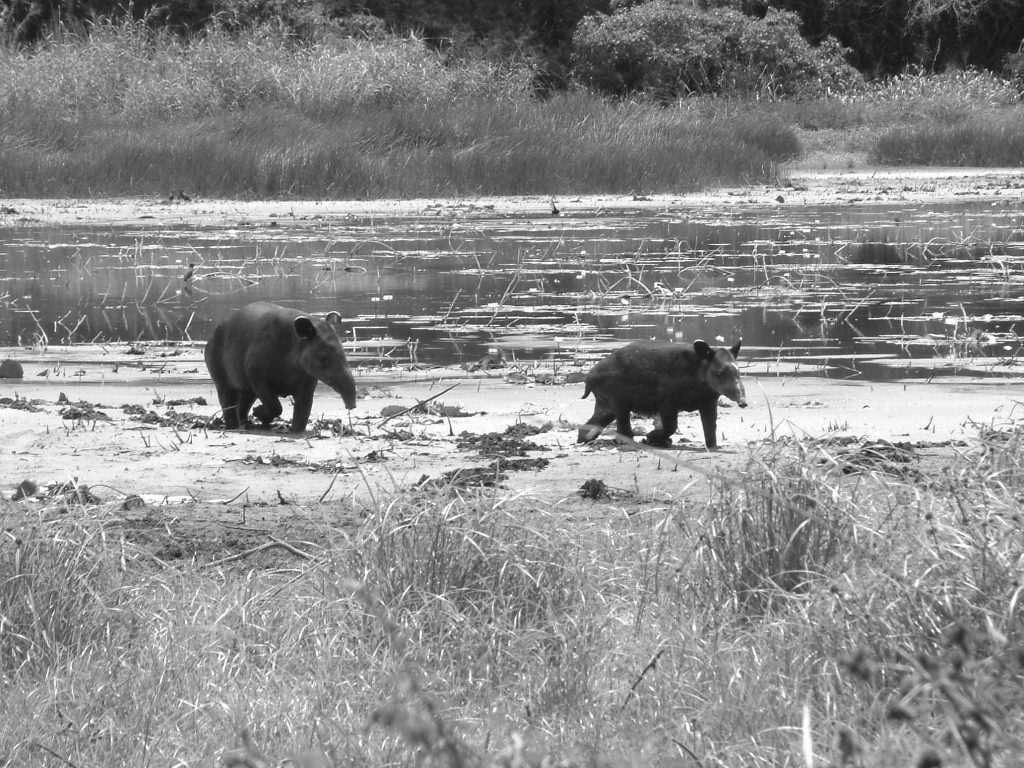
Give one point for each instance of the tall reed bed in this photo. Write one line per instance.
(971, 141)
(126, 110)
(808, 608)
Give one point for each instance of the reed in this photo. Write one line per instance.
(985, 140)
(129, 111)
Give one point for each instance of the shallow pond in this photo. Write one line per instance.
(869, 291)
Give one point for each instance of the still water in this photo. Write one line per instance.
(865, 291)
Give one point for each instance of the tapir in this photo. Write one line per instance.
(660, 378)
(266, 351)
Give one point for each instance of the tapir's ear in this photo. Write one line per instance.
(735, 348)
(333, 319)
(703, 350)
(304, 327)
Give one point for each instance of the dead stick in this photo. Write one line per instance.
(650, 665)
(334, 477)
(50, 752)
(418, 404)
(269, 545)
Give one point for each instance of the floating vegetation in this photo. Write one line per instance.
(890, 290)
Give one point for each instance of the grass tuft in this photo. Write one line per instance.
(784, 523)
(829, 605)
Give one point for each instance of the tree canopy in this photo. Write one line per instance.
(880, 36)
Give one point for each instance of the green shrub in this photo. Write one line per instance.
(668, 49)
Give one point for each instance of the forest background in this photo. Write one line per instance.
(406, 98)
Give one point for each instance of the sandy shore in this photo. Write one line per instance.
(105, 417)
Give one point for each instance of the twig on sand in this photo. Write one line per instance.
(274, 542)
(418, 404)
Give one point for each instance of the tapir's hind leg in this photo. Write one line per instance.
(660, 435)
(268, 409)
(622, 423)
(245, 400)
(229, 406)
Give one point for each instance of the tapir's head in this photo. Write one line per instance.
(721, 373)
(321, 354)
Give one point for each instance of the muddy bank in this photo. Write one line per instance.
(136, 421)
(814, 181)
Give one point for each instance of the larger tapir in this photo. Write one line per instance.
(660, 378)
(265, 351)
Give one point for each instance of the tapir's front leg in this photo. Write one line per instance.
(709, 420)
(300, 411)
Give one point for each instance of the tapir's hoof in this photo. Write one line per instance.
(588, 433)
(658, 442)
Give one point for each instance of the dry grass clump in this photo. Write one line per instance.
(783, 524)
(859, 617)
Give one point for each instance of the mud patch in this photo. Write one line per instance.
(594, 489)
(854, 455)
(21, 404)
(172, 418)
(511, 442)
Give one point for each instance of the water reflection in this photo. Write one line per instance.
(847, 290)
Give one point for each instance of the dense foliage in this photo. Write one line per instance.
(883, 36)
(669, 49)
(886, 36)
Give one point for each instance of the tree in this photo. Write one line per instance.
(668, 49)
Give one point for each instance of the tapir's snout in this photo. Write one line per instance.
(737, 394)
(344, 385)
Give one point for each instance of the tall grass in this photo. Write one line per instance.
(806, 601)
(126, 110)
(972, 141)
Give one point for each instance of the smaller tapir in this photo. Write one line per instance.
(265, 351)
(660, 378)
